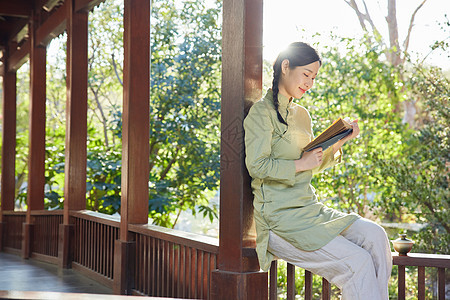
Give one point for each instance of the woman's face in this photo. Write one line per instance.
(295, 82)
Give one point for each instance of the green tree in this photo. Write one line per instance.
(184, 116)
(421, 177)
(360, 85)
(185, 109)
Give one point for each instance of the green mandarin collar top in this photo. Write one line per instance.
(284, 102)
(284, 201)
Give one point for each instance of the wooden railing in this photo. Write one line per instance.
(168, 263)
(13, 233)
(94, 237)
(171, 263)
(290, 283)
(420, 260)
(45, 234)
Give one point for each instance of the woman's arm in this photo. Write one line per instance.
(258, 139)
(309, 160)
(317, 160)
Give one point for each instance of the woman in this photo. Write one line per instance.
(349, 251)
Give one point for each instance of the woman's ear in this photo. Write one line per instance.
(284, 66)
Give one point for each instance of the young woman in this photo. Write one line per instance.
(349, 251)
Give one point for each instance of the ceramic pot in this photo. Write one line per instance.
(402, 245)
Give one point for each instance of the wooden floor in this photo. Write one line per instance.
(28, 279)
(17, 274)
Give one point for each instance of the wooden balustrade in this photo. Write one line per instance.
(420, 260)
(172, 263)
(12, 231)
(45, 234)
(290, 283)
(94, 238)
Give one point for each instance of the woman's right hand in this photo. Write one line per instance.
(309, 160)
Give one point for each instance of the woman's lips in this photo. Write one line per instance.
(303, 91)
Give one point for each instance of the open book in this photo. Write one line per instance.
(336, 131)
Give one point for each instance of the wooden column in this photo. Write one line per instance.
(76, 126)
(135, 136)
(8, 144)
(36, 162)
(238, 276)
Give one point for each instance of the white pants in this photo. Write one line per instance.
(358, 261)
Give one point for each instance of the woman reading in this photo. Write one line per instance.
(349, 251)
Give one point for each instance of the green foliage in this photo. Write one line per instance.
(103, 177)
(184, 116)
(421, 176)
(360, 85)
(22, 130)
(185, 109)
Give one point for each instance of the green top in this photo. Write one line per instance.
(285, 201)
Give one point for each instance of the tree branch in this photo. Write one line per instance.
(391, 19)
(169, 166)
(411, 24)
(115, 69)
(359, 14)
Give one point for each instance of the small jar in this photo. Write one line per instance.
(402, 245)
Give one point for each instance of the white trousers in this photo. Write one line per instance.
(358, 261)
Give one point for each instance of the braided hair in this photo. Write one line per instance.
(298, 54)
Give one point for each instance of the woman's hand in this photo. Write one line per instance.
(309, 160)
(354, 133)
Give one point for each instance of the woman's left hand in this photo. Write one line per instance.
(355, 131)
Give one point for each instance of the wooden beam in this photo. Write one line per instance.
(53, 26)
(10, 28)
(86, 5)
(135, 137)
(16, 8)
(36, 161)
(36, 176)
(19, 57)
(241, 86)
(76, 109)
(76, 127)
(8, 142)
(136, 109)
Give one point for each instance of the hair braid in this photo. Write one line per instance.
(276, 78)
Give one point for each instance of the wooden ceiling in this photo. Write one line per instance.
(14, 18)
(49, 18)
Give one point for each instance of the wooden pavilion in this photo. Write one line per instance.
(128, 254)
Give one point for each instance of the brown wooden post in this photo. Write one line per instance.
(238, 276)
(76, 126)
(36, 162)
(8, 144)
(135, 137)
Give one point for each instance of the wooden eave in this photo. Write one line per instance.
(16, 14)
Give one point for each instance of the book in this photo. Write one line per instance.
(336, 131)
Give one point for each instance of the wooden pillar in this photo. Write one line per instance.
(36, 162)
(76, 126)
(8, 144)
(238, 276)
(135, 137)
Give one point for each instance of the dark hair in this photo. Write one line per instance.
(298, 54)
